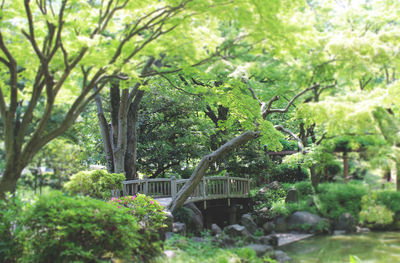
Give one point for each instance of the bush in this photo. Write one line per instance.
(373, 214)
(96, 184)
(285, 173)
(333, 199)
(10, 228)
(151, 219)
(390, 199)
(59, 228)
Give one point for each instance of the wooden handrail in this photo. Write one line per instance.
(211, 187)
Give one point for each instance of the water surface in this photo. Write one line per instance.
(382, 247)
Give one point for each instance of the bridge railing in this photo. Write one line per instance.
(211, 187)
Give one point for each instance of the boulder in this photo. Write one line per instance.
(281, 224)
(307, 222)
(270, 240)
(281, 256)
(346, 222)
(268, 227)
(195, 218)
(215, 229)
(361, 230)
(179, 228)
(169, 220)
(260, 249)
(223, 240)
(292, 196)
(237, 231)
(248, 223)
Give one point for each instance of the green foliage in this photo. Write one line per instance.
(390, 199)
(96, 183)
(59, 228)
(333, 199)
(10, 228)
(288, 174)
(151, 218)
(373, 214)
(269, 197)
(188, 251)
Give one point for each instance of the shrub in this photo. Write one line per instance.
(10, 228)
(390, 199)
(333, 199)
(96, 184)
(285, 173)
(59, 228)
(374, 215)
(151, 219)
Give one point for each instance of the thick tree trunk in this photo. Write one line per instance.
(8, 182)
(131, 151)
(204, 164)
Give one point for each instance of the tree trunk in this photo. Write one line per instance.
(131, 150)
(203, 165)
(8, 182)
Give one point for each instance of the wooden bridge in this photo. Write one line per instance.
(210, 188)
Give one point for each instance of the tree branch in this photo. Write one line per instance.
(299, 142)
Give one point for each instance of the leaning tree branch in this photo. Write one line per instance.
(203, 165)
(299, 142)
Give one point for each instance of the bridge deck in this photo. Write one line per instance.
(210, 188)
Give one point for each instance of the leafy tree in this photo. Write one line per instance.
(61, 54)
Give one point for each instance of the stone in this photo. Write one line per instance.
(270, 240)
(281, 224)
(248, 223)
(305, 221)
(223, 240)
(169, 254)
(169, 220)
(361, 230)
(292, 196)
(198, 239)
(215, 229)
(237, 231)
(179, 228)
(271, 186)
(339, 232)
(195, 218)
(268, 227)
(281, 256)
(346, 222)
(260, 249)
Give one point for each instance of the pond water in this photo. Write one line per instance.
(382, 247)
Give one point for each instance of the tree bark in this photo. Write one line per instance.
(203, 165)
(131, 151)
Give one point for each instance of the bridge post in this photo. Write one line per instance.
(228, 189)
(173, 186)
(248, 185)
(146, 185)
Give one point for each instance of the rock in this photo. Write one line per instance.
(361, 230)
(236, 231)
(260, 249)
(281, 256)
(179, 228)
(268, 227)
(281, 224)
(292, 196)
(271, 240)
(307, 222)
(169, 254)
(195, 218)
(271, 186)
(339, 232)
(215, 229)
(346, 222)
(248, 223)
(223, 240)
(169, 220)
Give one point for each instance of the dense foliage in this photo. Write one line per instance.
(96, 184)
